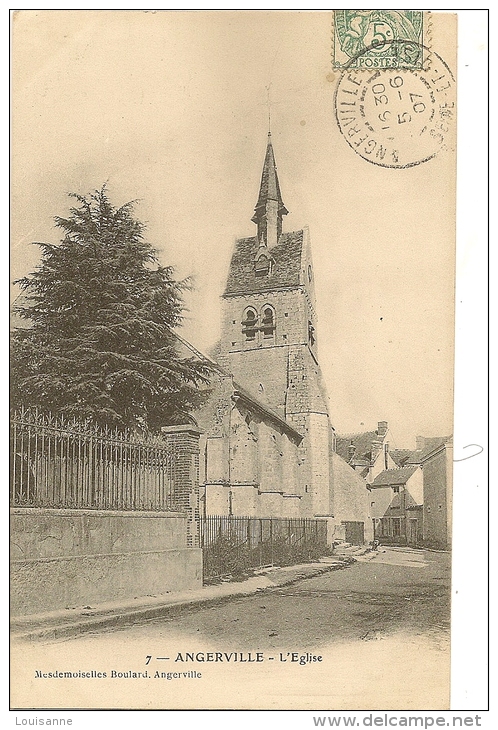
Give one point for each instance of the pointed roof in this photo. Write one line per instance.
(363, 443)
(400, 456)
(394, 477)
(405, 457)
(269, 188)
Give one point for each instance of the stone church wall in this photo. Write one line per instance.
(248, 461)
(261, 366)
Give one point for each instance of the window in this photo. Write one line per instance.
(256, 329)
(396, 490)
(268, 323)
(262, 266)
(249, 327)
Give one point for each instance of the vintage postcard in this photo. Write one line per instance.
(231, 474)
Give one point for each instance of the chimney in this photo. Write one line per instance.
(420, 442)
(351, 452)
(382, 428)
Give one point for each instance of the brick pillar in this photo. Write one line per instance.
(183, 443)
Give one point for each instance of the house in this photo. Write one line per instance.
(434, 457)
(437, 469)
(268, 444)
(424, 445)
(396, 505)
(368, 452)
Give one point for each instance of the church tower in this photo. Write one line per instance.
(269, 340)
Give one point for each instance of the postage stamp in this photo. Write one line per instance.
(390, 39)
(396, 117)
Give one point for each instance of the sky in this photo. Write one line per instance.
(170, 109)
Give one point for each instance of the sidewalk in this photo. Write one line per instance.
(75, 621)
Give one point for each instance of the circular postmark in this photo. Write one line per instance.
(397, 117)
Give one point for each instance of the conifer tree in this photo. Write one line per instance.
(101, 313)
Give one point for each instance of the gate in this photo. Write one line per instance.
(236, 545)
(355, 532)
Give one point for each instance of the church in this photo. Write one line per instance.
(268, 447)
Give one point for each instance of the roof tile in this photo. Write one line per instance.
(394, 477)
(362, 441)
(286, 269)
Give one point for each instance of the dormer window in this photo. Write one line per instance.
(262, 266)
(268, 323)
(249, 328)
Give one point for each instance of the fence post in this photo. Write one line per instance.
(184, 441)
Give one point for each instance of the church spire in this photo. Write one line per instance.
(270, 208)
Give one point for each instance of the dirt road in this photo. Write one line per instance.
(381, 628)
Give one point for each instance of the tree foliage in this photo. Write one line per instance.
(101, 313)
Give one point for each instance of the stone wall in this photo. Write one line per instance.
(69, 558)
(437, 479)
(351, 498)
(74, 557)
(261, 365)
(249, 459)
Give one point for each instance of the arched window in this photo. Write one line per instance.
(268, 322)
(249, 326)
(262, 266)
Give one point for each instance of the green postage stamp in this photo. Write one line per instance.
(375, 39)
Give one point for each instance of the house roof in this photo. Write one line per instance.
(430, 444)
(429, 452)
(401, 502)
(400, 456)
(394, 477)
(363, 443)
(286, 270)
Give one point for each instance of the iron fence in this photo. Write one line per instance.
(235, 545)
(71, 464)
